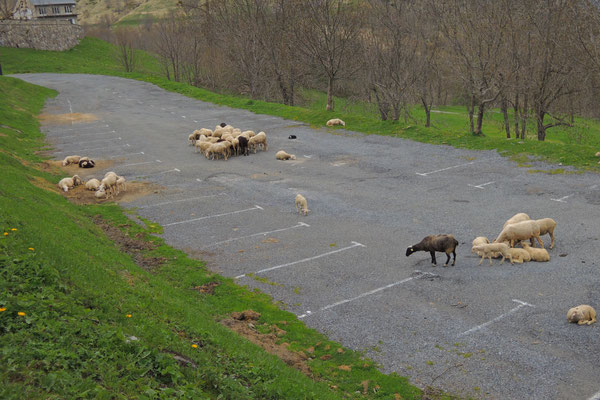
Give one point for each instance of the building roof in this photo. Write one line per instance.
(52, 2)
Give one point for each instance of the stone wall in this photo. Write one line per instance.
(40, 35)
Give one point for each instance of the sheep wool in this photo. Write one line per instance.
(282, 155)
(335, 121)
(582, 314)
(301, 205)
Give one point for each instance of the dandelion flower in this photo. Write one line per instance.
(31, 248)
(2, 309)
(194, 345)
(128, 315)
(13, 229)
(5, 233)
(21, 314)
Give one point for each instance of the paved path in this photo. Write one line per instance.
(488, 332)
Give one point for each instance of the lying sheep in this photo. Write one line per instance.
(109, 183)
(282, 155)
(86, 162)
(92, 184)
(101, 192)
(547, 226)
(432, 243)
(301, 205)
(598, 154)
(523, 230)
(518, 256)
(259, 140)
(335, 121)
(516, 218)
(71, 160)
(582, 314)
(488, 250)
(535, 253)
(69, 183)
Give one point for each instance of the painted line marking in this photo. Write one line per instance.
(305, 156)
(195, 121)
(140, 163)
(595, 396)
(183, 116)
(593, 187)
(445, 169)
(214, 216)
(354, 244)
(160, 173)
(498, 318)
(96, 148)
(126, 154)
(360, 296)
(562, 199)
(70, 108)
(179, 201)
(481, 186)
(299, 225)
(85, 134)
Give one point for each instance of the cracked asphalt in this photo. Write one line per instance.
(486, 332)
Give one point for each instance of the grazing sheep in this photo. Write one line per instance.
(68, 183)
(243, 145)
(335, 121)
(301, 205)
(582, 314)
(71, 160)
(259, 139)
(121, 183)
(202, 146)
(110, 183)
(516, 218)
(547, 226)
(192, 138)
(432, 243)
(488, 250)
(92, 184)
(248, 134)
(523, 230)
(217, 148)
(535, 253)
(518, 255)
(282, 155)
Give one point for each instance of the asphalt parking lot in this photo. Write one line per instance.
(495, 332)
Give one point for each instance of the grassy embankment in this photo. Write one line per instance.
(571, 146)
(80, 317)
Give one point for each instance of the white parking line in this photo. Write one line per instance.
(354, 244)
(70, 108)
(160, 173)
(181, 200)
(214, 216)
(481, 186)
(593, 187)
(562, 199)
(444, 169)
(595, 396)
(97, 148)
(360, 296)
(126, 154)
(479, 327)
(140, 163)
(299, 225)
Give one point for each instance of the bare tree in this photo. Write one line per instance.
(125, 45)
(6, 8)
(169, 44)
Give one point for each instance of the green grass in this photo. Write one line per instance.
(571, 146)
(84, 299)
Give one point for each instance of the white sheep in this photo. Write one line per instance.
(92, 184)
(217, 148)
(68, 183)
(101, 192)
(282, 155)
(479, 241)
(547, 226)
(335, 121)
(248, 134)
(488, 250)
(121, 183)
(523, 230)
(518, 255)
(259, 139)
(71, 160)
(301, 205)
(535, 253)
(110, 184)
(598, 154)
(516, 218)
(202, 146)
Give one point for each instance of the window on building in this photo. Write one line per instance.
(68, 9)
(55, 10)
(42, 10)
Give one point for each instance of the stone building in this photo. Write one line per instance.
(49, 10)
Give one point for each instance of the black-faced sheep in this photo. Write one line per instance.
(85, 162)
(243, 145)
(432, 243)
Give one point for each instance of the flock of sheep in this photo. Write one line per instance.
(521, 230)
(109, 186)
(225, 141)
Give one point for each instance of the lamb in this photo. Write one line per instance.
(479, 241)
(547, 225)
(488, 250)
(243, 145)
(301, 205)
(68, 183)
(71, 160)
(282, 155)
(432, 243)
(523, 230)
(535, 253)
(92, 184)
(259, 139)
(335, 121)
(516, 218)
(518, 255)
(582, 314)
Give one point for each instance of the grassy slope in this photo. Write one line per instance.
(95, 57)
(82, 297)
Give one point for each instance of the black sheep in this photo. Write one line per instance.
(432, 243)
(243, 145)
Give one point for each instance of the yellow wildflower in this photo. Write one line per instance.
(31, 248)
(5, 233)
(194, 345)
(13, 229)
(2, 309)
(128, 315)
(21, 314)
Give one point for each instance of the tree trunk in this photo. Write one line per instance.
(480, 111)
(292, 92)
(381, 106)
(283, 90)
(541, 129)
(427, 112)
(330, 105)
(516, 109)
(504, 107)
(524, 117)
(471, 109)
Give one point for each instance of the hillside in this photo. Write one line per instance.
(93, 12)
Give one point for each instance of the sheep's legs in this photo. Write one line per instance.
(551, 236)
(539, 239)
(433, 261)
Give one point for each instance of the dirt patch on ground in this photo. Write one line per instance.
(134, 246)
(63, 119)
(134, 191)
(244, 324)
(55, 166)
(207, 288)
